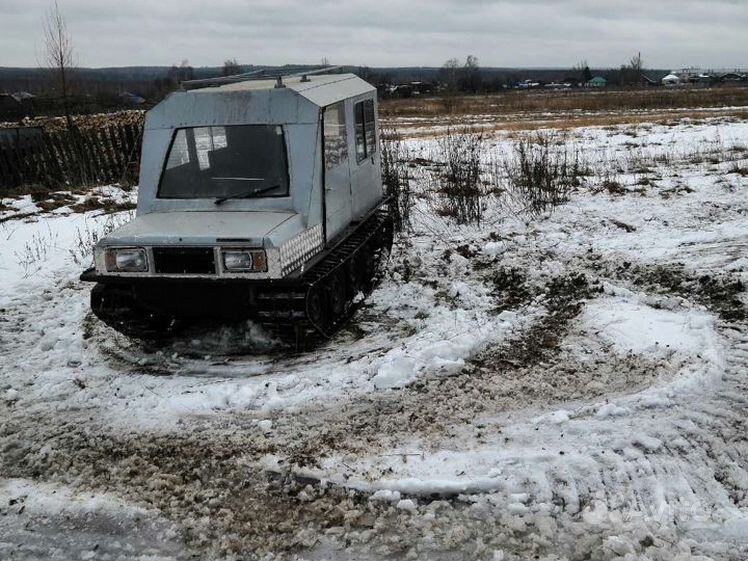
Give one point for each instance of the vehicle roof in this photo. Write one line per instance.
(321, 90)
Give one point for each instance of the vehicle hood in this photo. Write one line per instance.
(258, 228)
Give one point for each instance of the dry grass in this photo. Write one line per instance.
(522, 111)
(740, 169)
(460, 184)
(82, 122)
(101, 203)
(426, 128)
(543, 170)
(396, 178)
(514, 101)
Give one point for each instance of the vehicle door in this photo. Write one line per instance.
(337, 188)
(366, 183)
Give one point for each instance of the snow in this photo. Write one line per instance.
(435, 354)
(407, 505)
(647, 442)
(638, 328)
(493, 248)
(386, 496)
(611, 410)
(623, 433)
(396, 372)
(42, 521)
(54, 500)
(555, 418)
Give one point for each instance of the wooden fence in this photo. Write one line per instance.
(70, 159)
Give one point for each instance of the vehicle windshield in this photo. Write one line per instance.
(226, 162)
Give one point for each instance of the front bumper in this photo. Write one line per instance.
(192, 298)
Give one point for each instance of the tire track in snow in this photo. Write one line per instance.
(677, 469)
(698, 481)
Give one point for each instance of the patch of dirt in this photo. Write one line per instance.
(52, 201)
(720, 292)
(227, 508)
(205, 478)
(536, 364)
(107, 205)
(510, 288)
(49, 201)
(564, 297)
(201, 482)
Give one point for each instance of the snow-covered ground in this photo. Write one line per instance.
(570, 386)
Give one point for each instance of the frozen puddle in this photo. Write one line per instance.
(46, 521)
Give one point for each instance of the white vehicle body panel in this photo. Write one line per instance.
(251, 228)
(346, 193)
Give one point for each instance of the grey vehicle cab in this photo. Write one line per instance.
(259, 199)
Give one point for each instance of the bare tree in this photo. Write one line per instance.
(449, 73)
(580, 66)
(471, 81)
(231, 67)
(449, 76)
(631, 73)
(582, 71)
(636, 63)
(181, 73)
(586, 74)
(58, 54)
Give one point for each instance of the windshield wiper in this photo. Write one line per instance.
(246, 194)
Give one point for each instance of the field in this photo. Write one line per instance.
(562, 377)
(522, 111)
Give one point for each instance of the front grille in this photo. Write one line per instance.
(184, 260)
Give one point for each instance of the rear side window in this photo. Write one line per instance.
(369, 127)
(336, 139)
(366, 132)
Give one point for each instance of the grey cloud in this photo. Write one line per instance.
(669, 33)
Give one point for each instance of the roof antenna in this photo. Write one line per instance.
(279, 82)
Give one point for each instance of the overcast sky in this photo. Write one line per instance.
(559, 33)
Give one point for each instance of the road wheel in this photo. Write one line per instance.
(337, 295)
(316, 306)
(362, 269)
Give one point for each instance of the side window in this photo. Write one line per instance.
(336, 139)
(366, 133)
(360, 138)
(370, 127)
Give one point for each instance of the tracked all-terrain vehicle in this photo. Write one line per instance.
(258, 199)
